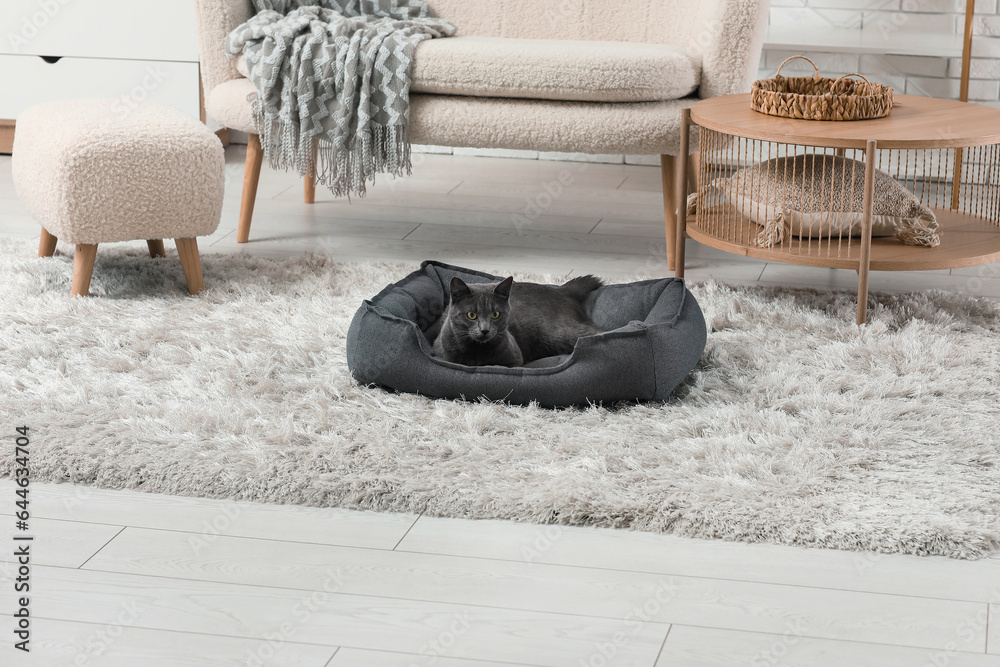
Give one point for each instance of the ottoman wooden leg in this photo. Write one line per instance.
(156, 248)
(191, 263)
(47, 244)
(83, 268)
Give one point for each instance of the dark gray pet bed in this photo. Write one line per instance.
(656, 336)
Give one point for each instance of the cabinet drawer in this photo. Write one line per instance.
(124, 29)
(29, 80)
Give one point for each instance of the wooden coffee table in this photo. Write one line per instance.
(946, 152)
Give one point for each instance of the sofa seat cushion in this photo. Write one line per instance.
(551, 69)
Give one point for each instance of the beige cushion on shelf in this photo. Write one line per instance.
(821, 196)
(98, 171)
(549, 69)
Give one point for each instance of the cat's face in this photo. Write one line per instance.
(479, 312)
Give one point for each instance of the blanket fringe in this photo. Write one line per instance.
(344, 170)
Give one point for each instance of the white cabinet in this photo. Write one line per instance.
(126, 49)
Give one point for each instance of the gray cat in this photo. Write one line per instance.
(511, 324)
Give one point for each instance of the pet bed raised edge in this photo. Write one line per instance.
(656, 334)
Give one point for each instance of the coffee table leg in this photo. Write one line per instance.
(668, 174)
(682, 194)
(866, 233)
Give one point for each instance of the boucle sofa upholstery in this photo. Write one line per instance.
(550, 69)
(584, 76)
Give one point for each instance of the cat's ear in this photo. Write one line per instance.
(503, 289)
(459, 288)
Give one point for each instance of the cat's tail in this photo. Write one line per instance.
(581, 286)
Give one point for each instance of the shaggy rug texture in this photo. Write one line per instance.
(797, 427)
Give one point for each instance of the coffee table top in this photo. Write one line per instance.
(915, 122)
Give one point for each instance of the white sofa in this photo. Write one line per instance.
(581, 76)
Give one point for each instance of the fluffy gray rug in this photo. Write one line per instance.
(796, 428)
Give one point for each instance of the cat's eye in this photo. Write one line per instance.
(471, 315)
(495, 315)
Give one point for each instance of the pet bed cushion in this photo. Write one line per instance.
(656, 334)
(821, 196)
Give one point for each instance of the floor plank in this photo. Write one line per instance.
(207, 517)
(611, 594)
(336, 619)
(64, 543)
(401, 213)
(472, 202)
(707, 647)
(891, 281)
(353, 657)
(993, 638)
(118, 644)
(564, 185)
(936, 577)
(527, 237)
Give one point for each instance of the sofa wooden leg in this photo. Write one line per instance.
(668, 171)
(187, 249)
(46, 244)
(83, 268)
(310, 180)
(251, 175)
(156, 248)
(310, 189)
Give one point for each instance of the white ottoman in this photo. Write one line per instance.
(97, 171)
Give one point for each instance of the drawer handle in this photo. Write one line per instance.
(50, 59)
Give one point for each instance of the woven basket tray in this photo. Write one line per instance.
(820, 98)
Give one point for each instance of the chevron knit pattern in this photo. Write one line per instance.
(333, 82)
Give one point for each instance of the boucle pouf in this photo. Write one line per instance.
(100, 171)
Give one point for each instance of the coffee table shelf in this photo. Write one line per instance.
(947, 153)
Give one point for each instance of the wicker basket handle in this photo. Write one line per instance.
(816, 69)
(871, 88)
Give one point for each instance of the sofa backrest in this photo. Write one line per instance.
(660, 21)
(216, 19)
(726, 35)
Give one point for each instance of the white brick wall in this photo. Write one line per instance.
(911, 75)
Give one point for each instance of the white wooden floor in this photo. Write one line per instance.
(126, 578)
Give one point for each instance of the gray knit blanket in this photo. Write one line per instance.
(333, 83)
